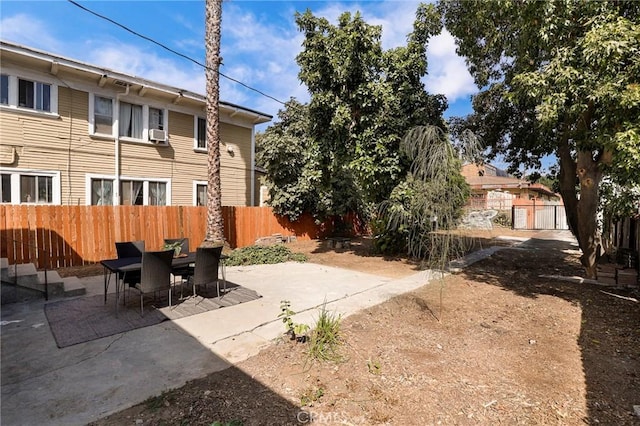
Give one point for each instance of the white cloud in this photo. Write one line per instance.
(29, 31)
(258, 48)
(448, 74)
(141, 63)
(261, 53)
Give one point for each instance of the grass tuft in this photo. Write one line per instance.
(325, 338)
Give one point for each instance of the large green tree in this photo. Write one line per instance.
(289, 155)
(363, 100)
(557, 77)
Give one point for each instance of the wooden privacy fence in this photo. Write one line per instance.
(77, 235)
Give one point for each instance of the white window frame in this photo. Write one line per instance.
(197, 183)
(147, 125)
(6, 76)
(13, 95)
(145, 187)
(88, 188)
(195, 134)
(56, 197)
(164, 119)
(92, 116)
(115, 119)
(145, 122)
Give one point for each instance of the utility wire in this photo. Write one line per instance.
(149, 39)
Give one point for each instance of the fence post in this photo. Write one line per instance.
(46, 273)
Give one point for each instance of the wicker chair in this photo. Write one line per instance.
(155, 274)
(205, 270)
(129, 249)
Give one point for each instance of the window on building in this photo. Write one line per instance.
(41, 187)
(143, 193)
(34, 95)
(5, 193)
(156, 118)
(103, 115)
(130, 120)
(36, 189)
(201, 133)
(157, 194)
(131, 193)
(101, 192)
(4, 89)
(201, 195)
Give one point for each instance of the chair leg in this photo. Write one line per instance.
(224, 281)
(141, 305)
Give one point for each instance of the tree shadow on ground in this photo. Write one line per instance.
(609, 338)
(365, 247)
(227, 396)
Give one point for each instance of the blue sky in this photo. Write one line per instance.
(259, 43)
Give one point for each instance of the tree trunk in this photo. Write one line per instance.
(567, 182)
(588, 235)
(215, 224)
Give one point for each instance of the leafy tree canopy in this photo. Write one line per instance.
(341, 152)
(561, 78)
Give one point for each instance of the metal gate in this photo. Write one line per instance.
(539, 217)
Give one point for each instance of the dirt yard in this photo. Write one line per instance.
(494, 344)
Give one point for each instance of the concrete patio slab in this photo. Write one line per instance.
(45, 385)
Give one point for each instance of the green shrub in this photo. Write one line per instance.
(386, 241)
(262, 255)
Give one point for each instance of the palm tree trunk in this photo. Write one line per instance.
(213, 22)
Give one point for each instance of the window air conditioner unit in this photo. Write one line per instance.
(157, 135)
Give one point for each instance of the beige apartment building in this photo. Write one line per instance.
(72, 133)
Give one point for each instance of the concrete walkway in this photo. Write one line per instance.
(42, 384)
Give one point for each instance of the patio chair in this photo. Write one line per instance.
(155, 274)
(205, 270)
(129, 249)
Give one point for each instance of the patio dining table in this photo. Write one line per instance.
(120, 267)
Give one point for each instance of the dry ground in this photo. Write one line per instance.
(495, 344)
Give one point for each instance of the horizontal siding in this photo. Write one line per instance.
(189, 165)
(235, 172)
(63, 144)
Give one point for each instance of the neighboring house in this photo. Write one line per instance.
(75, 133)
(492, 188)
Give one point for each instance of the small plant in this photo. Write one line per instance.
(325, 337)
(311, 395)
(300, 332)
(231, 423)
(176, 246)
(296, 331)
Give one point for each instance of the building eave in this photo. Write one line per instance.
(56, 64)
